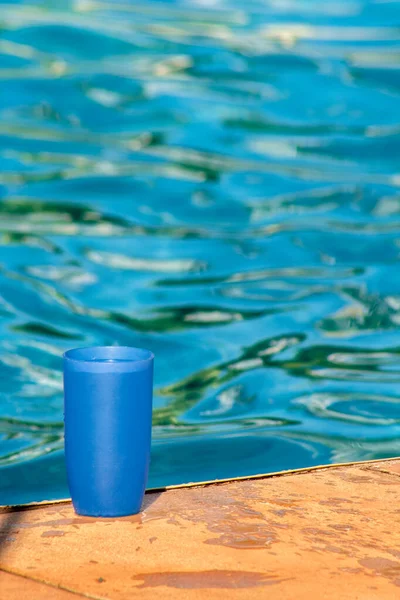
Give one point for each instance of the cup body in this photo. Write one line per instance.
(107, 413)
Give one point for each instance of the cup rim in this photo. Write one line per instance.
(98, 355)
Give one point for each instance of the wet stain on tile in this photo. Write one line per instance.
(206, 579)
(317, 531)
(53, 533)
(280, 513)
(77, 521)
(383, 567)
(374, 476)
(335, 501)
(354, 570)
(348, 511)
(224, 512)
(342, 528)
(335, 550)
(244, 538)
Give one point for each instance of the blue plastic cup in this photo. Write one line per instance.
(107, 410)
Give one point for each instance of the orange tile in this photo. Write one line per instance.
(322, 534)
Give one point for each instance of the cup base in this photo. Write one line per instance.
(106, 514)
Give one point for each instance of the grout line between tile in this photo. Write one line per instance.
(381, 470)
(50, 584)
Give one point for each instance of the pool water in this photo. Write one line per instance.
(216, 181)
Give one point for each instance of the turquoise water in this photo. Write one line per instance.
(216, 181)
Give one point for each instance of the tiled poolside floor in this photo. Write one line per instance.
(332, 534)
